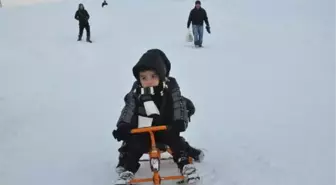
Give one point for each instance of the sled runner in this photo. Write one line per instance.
(155, 157)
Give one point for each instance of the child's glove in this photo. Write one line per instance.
(179, 125)
(190, 107)
(123, 132)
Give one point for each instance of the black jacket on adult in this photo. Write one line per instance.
(82, 16)
(197, 17)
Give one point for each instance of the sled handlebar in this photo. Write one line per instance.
(148, 129)
(151, 131)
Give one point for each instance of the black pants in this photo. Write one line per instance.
(139, 144)
(191, 151)
(81, 29)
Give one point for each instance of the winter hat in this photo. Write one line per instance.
(198, 2)
(150, 61)
(80, 5)
(164, 58)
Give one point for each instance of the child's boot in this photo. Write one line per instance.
(200, 157)
(124, 178)
(197, 154)
(119, 169)
(189, 171)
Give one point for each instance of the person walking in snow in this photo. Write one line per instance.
(197, 16)
(104, 3)
(83, 17)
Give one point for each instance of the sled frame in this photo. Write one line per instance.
(154, 158)
(167, 158)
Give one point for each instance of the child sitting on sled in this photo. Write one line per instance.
(159, 101)
(193, 152)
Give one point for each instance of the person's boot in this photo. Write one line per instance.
(88, 40)
(196, 43)
(200, 43)
(79, 38)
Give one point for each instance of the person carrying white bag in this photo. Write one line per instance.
(197, 17)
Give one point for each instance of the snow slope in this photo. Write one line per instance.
(16, 3)
(263, 86)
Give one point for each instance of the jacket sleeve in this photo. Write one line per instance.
(77, 15)
(190, 107)
(135, 85)
(87, 15)
(128, 112)
(206, 18)
(189, 18)
(180, 112)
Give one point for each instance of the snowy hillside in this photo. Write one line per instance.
(263, 86)
(15, 3)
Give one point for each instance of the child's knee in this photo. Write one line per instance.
(138, 145)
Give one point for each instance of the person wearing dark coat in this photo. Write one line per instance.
(197, 17)
(83, 18)
(104, 3)
(156, 101)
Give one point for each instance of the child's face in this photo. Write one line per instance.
(149, 79)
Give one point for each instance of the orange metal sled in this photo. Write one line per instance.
(154, 158)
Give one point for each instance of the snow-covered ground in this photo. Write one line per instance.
(15, 3)
(263, 86)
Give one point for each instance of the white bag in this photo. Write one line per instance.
(189, 37)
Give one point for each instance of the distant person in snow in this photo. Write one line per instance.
(83, 17)
(104, 3)
(197, 16)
